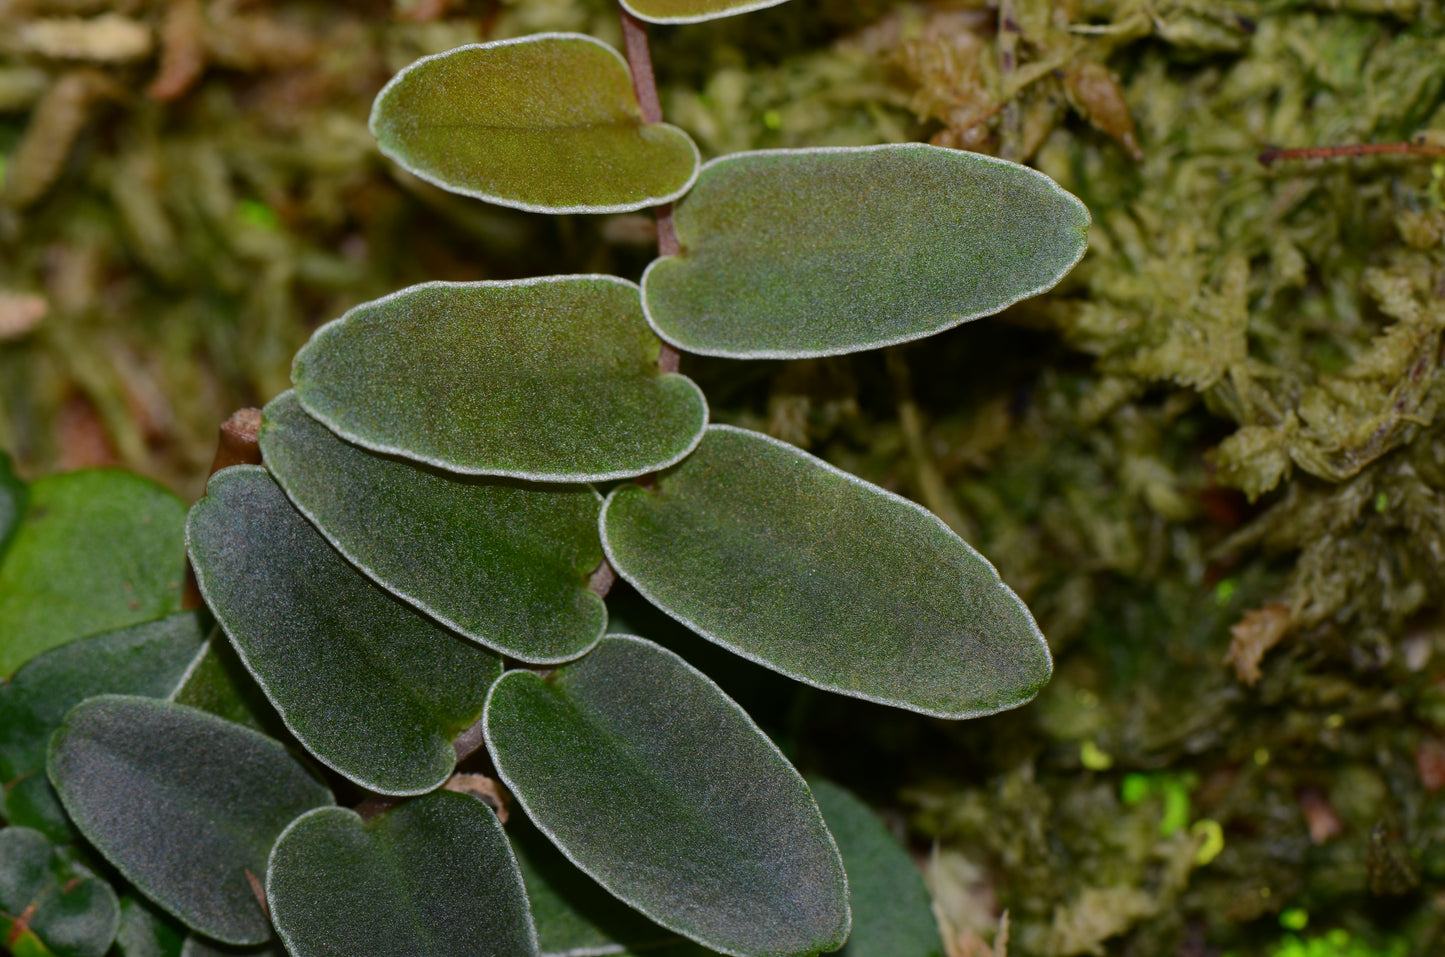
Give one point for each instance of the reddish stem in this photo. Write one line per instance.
(1349, 150)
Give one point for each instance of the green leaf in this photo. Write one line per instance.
(547, 123)
(49, 906)
(780, 557)
(892, 912)
(200, 947)
(369, 686)
(692, 11)
(217, 681)
(658, 786)
(183, 804)
(31, 801)
(815, 252)
(146, 932)
(96, 550)
(572, 913)
(147, 659)
(13, 496)
(552, 379)
(503, 563)
(432, 877)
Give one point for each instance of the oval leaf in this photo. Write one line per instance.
(433, 877)
(504, 564)
(692, 11)
(96, 550)
(48, 905)
(370, 687)
(183, 804)
(892, 912)
(815, 252)
(547, 123)
(147, 660)
(780, 557)
(552, 379)
(632, 762)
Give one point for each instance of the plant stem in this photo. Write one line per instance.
(1418, 148)
(644, 84)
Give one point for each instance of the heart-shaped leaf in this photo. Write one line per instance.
(146, 932)
(657, 785)
(573, 915)
(780, 557)
(432, 877)
(892, 912)
(13, 496)
(552, 379)
(48, 906)
(503, 563)
(147, 659)
(183, 804)
(692, 11)
(96, 550)
(815, 252)
(547, 123)
(371, 687)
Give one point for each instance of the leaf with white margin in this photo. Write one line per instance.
(182, 803)
(547, 123)
(782, 558)
(892, 911)
(665, 792)
(500, 562)
(431, 877)
(371, 687)
(692, 11)
(48, 904)
(812, 252)
(552, 379)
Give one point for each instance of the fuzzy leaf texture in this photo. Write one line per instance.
(552, 379)
(217, 681)
(147, 659)
(182, 803)
(692, 11)
(432, 877)
(95, 550)
(791, 563)
(814, 252)
(502, 563)
(49, 906)
(371, 687)
(892, 912)
(660, 787)
(547, 123)
(146, 932)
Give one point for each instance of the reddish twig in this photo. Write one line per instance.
(1351, 150)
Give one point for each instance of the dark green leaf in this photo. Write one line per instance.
(503, 563)
(183, 804)
(432, 877)
(552, 379)
(13, 496)
(49, 905)
(217, 681)
(815, 573)
(96, 550)
(146, 932)
(692, 11)
(547, 123)
(662, 789)
(892, 912)
(813, 252)
(31, 802)
(147, 659)
(369, 686)
(200, 947)
(572, 913)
